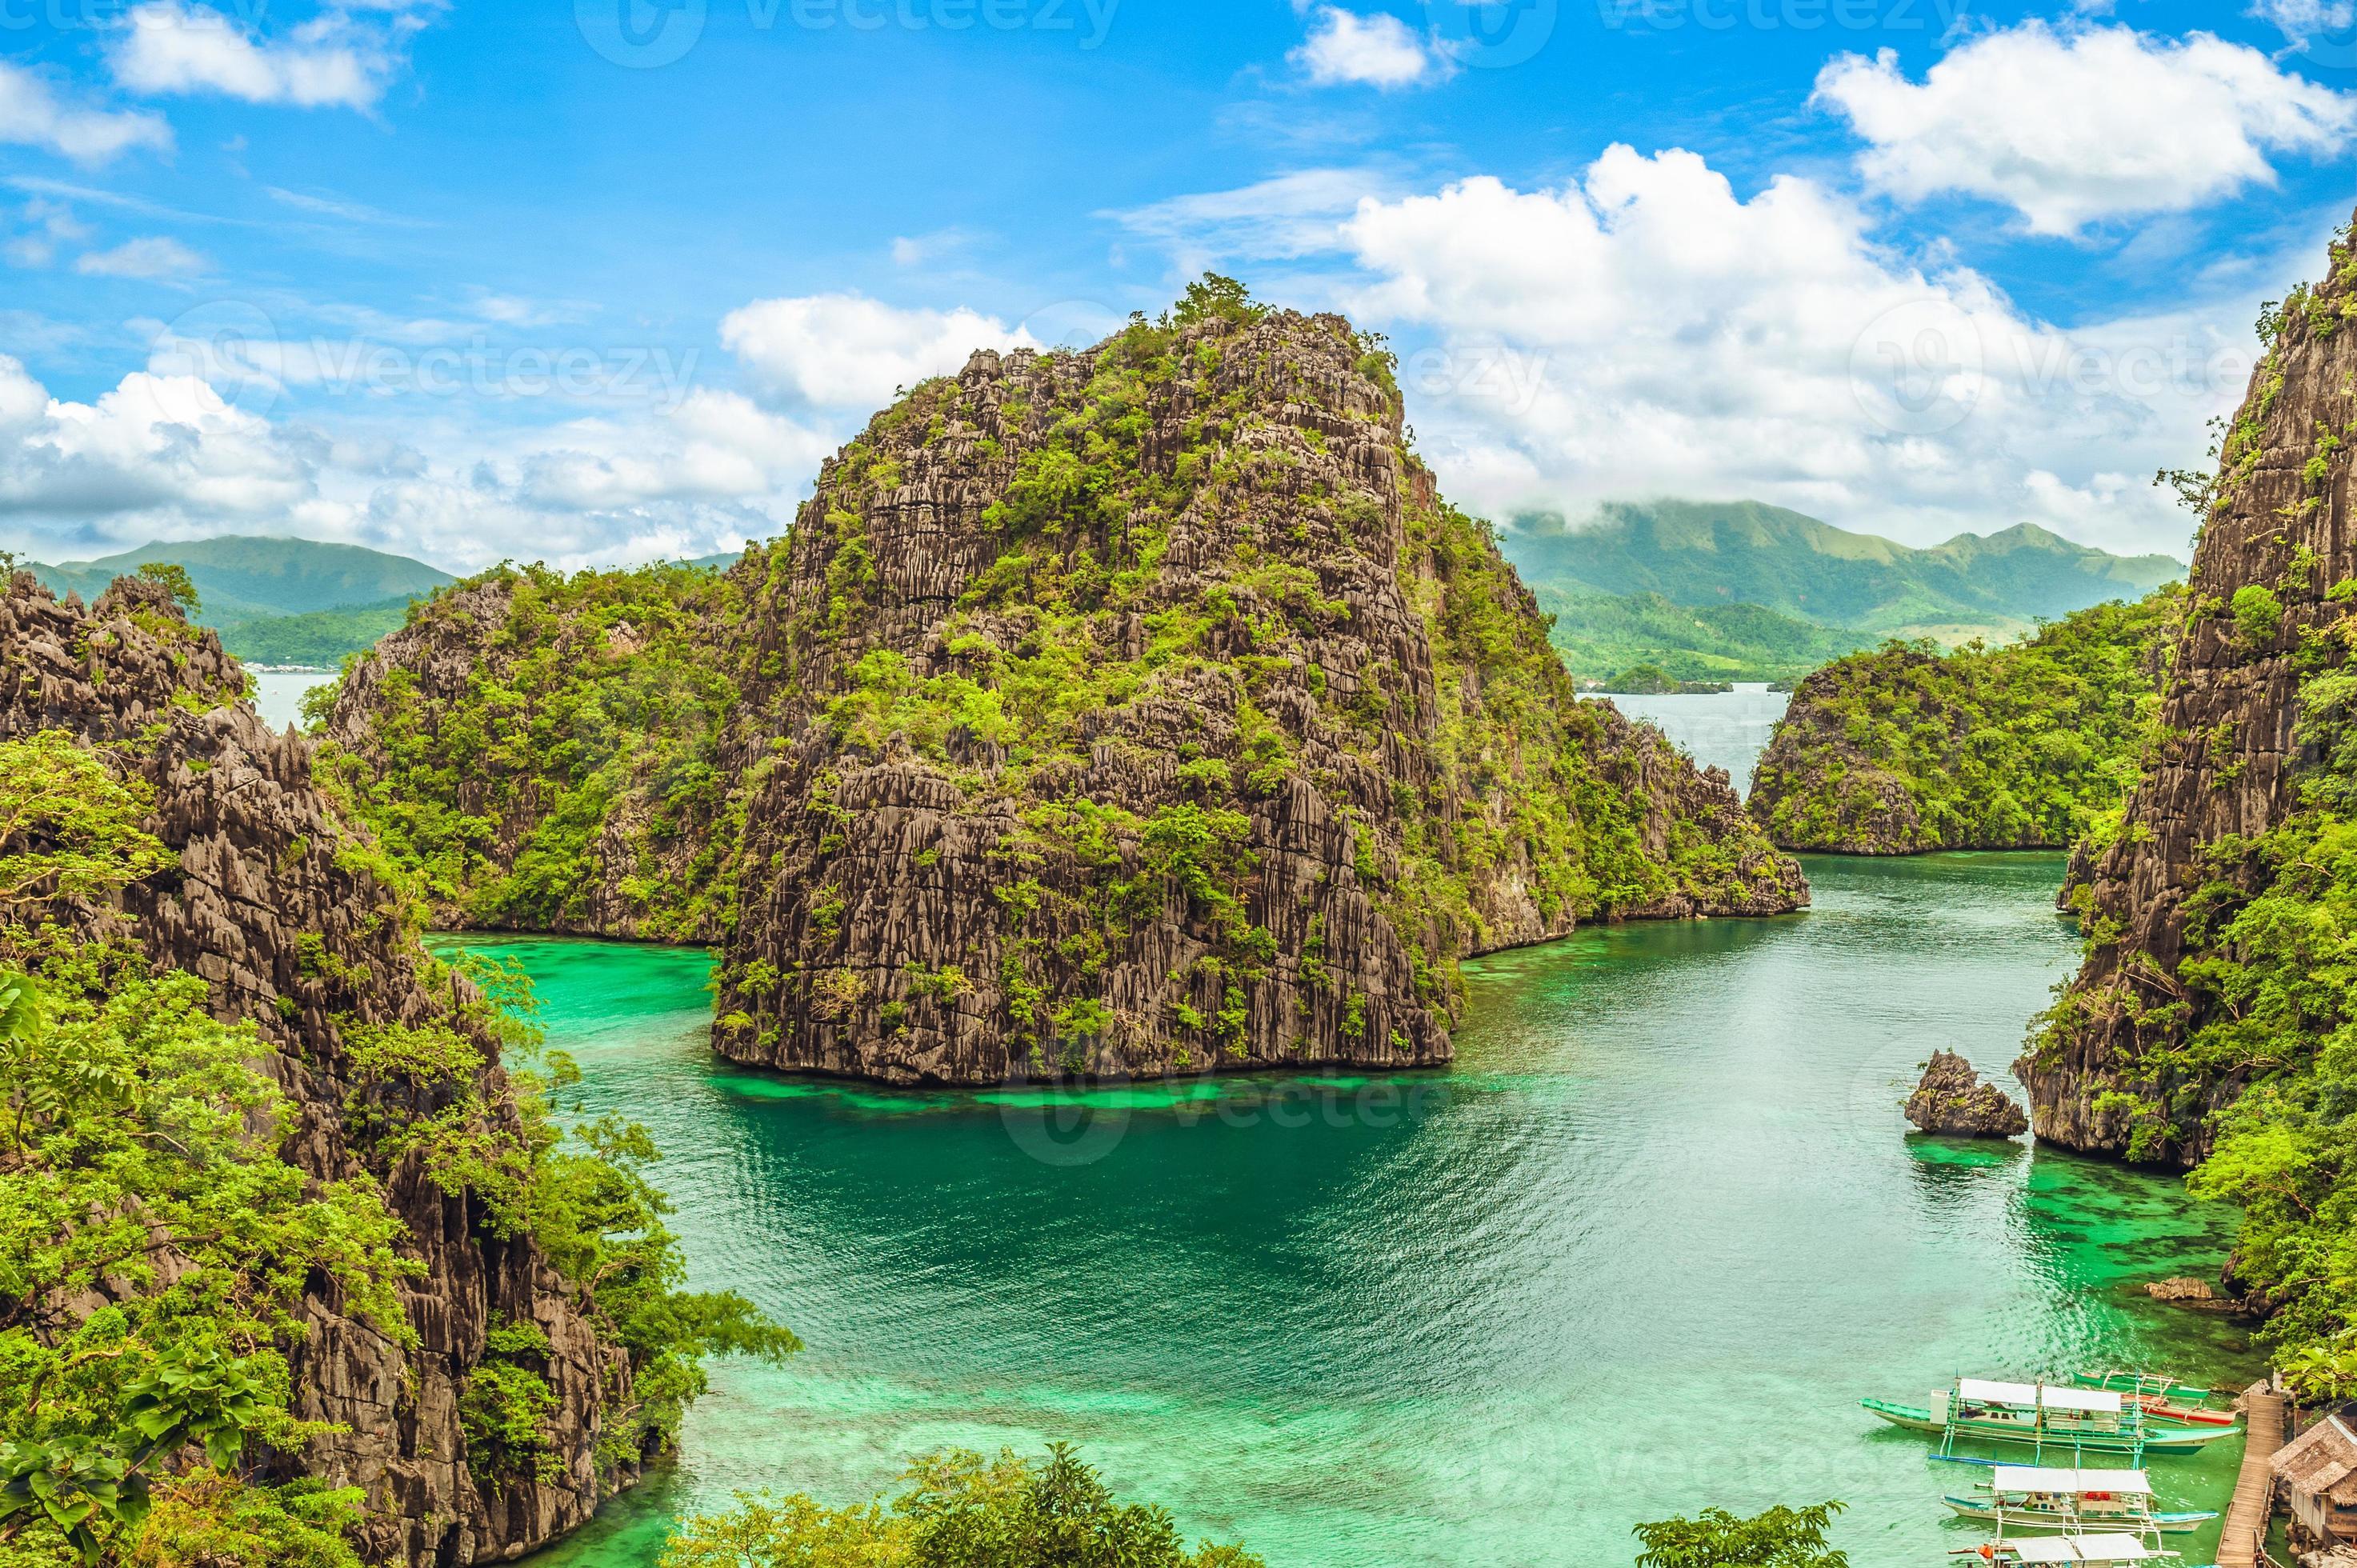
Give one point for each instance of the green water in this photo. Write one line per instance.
(1641, 1251)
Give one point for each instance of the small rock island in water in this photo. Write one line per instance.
(1952, 1101)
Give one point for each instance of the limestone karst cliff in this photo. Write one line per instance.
(2111, 1070)
(1155, 715)
(1136, 711)
(545, 750)
(1906, 749)
(287, 914)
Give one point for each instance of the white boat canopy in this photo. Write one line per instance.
(2034, 1478)
(2099, 1401)
(2103, 1402)
(2082, 1549)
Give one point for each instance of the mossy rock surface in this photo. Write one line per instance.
(1131, 711)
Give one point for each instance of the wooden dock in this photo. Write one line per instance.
(2243, 1542)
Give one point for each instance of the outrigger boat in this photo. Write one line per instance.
(2045, 1416)
(2162, 1397)
(2093, 1550)
(2022, 1497)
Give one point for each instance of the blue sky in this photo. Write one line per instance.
(599, 280)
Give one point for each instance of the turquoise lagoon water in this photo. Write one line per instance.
(1640, 1252)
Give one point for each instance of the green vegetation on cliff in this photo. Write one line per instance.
(959, 1510)
(2031, 744)
(1201, 541)
(2265, 1000)
(544, 750)
(139, 1156)
(159, 1246)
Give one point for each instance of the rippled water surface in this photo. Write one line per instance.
(1641, 1251)
(1719, 729)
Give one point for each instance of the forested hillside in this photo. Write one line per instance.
(2026, 745)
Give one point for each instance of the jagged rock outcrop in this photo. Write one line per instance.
(2279, 535)
(545, 750)
(1131, 711)
(274, 903)
(1952, 1101)
(1155, 716)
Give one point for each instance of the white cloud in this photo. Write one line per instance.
(192, 445)
(922, 250)
(717, 445)
(22, 399)
(336, 59)
(1646, 332)
(2303, 19)
(1376, 50)
(155, 258)
(2073, 125)
(846, 350)
(31, 115)
(1285, 217)
(155, 447)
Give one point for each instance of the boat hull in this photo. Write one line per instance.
(2154, 1440)
(2036, 1520)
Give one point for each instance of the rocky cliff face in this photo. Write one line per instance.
(274, 904)
(1138, 710)
(545, 750)
(1145, 712)
(2278, 536)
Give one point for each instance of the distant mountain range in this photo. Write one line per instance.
(1725, 591)
(1742, 590)
(243, 578)
(275, 601)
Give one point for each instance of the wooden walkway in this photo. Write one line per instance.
(2243, 1542)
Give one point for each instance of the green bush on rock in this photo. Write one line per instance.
(1780, 1538)
(158, 1247)
(958, 1509)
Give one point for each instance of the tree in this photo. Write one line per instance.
(1780, 1538)
(1213, 296)
(140, 1147)
(175, 581)
(960, 1510)
(69, 827)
